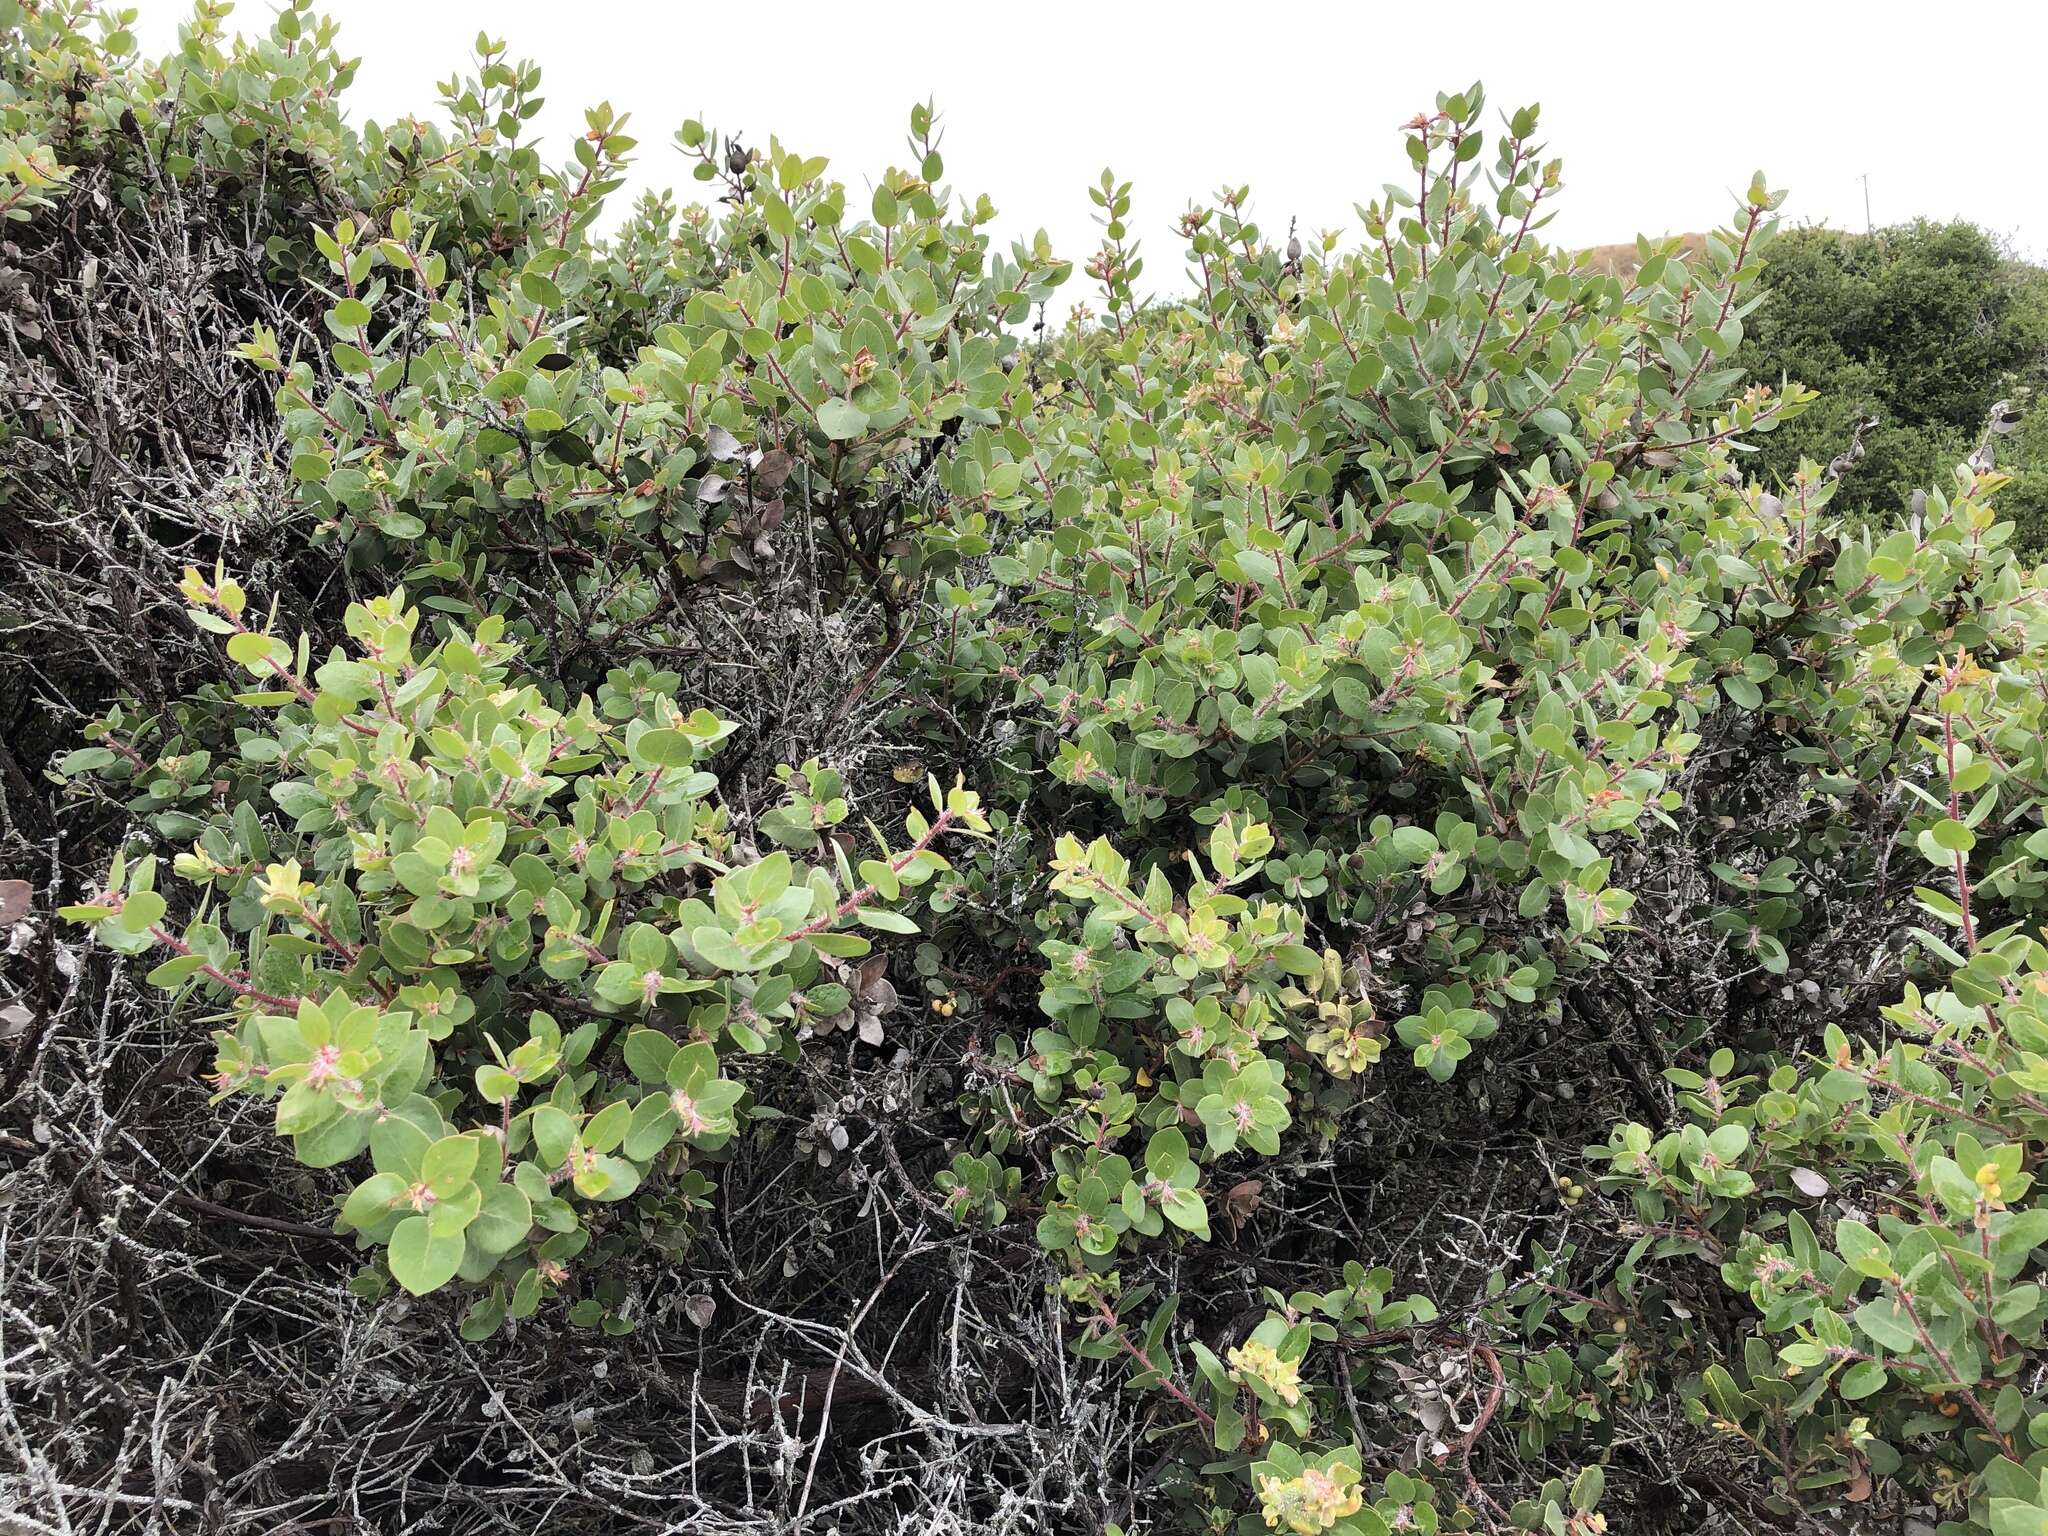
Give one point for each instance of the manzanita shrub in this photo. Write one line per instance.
(1330, 668)
(1869, 1198)
(478, 862)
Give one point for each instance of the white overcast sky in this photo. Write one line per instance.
(1660, 112)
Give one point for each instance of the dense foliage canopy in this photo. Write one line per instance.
(1923, 328)
(704, 766)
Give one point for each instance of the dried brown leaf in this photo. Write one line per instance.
(1241, 1203)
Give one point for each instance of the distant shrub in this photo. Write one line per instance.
(1924, 326)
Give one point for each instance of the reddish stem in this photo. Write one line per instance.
(896, 867)
(1173, 1388)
